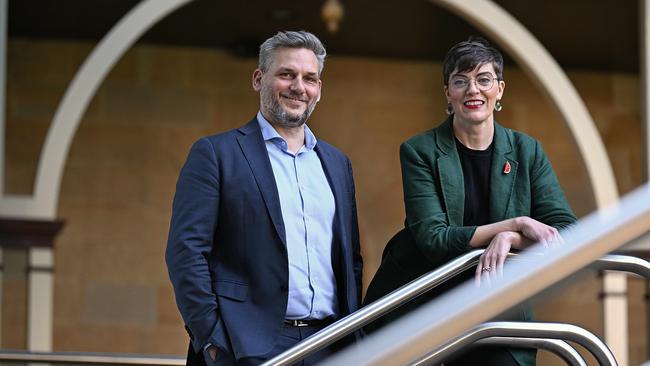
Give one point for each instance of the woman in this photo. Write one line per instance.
(471, 183)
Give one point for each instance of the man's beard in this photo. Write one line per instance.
(279, 115)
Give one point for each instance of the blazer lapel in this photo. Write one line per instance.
(503, 174)
(340, 249)
(451, 175)
(334, 178)
(254, 149)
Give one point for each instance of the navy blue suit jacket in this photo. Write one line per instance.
(226, 252)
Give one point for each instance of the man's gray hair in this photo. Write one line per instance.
(291, 39)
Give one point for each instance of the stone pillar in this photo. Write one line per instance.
(3, 61)
(37, 238)
(615, 314)
(640, 249)
(647, 318)
(40, 299)
(644, 47)
(3, 82)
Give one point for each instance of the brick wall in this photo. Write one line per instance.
(111, 287)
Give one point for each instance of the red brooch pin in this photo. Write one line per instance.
(506, 168)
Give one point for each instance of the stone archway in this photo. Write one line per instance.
(485, 15)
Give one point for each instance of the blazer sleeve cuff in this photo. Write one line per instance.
(459, 237)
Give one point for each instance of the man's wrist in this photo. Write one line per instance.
(212, 352)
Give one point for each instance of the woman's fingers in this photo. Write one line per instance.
(558, 238)
(494, 265)
(501, 261)
(537, 231)
(482, 268)
(489, 266)
(479, 272)
(554, 239)
(541, 233)
(491, 262)
(544, 243)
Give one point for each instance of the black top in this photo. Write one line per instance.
(476, 174)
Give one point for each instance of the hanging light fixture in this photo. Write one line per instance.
(332, 13)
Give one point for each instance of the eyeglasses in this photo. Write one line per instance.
(483, 82)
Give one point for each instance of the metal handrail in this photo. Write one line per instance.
(337, 330)
(417, 287)
(90, 358)
(376, 309)
(434, 323)
(344, 326)
(623, 263)
(559, 331)
(560, 348)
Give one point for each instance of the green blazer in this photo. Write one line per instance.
(434, 198)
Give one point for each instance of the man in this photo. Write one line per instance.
(263, 247)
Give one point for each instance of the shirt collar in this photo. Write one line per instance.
(269, 133)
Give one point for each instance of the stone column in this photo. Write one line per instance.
(644, 67)
(614, 302)
(37, 238)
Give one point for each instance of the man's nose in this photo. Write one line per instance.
(298, 85)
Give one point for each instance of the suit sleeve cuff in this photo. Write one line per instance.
(216, 338)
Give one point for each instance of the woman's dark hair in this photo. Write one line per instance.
(468, 55)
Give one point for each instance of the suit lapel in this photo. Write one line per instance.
(254, 149)
(451, 175)
(335, 180)
(503, 174)
(340, 250)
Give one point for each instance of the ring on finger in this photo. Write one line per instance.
(487, 269)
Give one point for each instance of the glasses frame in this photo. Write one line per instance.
(469, 80)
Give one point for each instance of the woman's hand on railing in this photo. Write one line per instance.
(490, 263)
(536, 231)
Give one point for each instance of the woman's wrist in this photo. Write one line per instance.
(516, 224)
(515, 239)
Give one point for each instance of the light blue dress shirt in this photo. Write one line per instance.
(308, 208)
